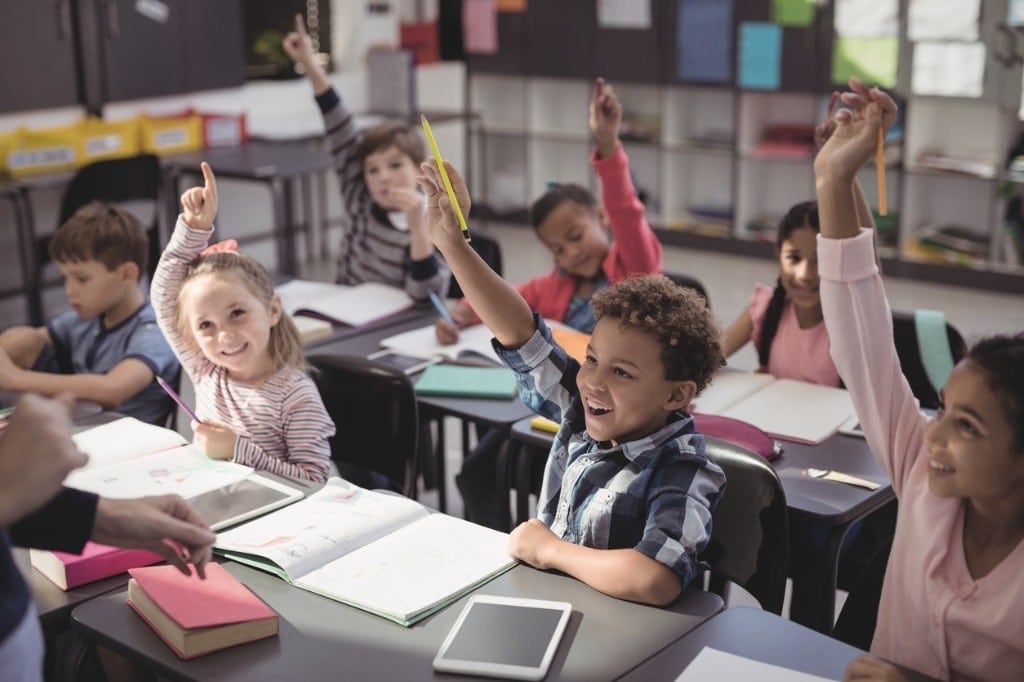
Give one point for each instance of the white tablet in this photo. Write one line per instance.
(243, 500)
(504, 637)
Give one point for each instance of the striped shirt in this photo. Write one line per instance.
(372, 248)
(654, 494)
(282, 424)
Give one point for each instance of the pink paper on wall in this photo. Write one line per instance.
(480, 26)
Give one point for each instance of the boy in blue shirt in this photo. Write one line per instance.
(108, 348)
(628, 490)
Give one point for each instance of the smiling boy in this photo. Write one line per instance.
(628, 489)
(107, 348)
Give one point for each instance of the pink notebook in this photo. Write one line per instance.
(96, 562)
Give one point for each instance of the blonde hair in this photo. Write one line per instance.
(284, 346)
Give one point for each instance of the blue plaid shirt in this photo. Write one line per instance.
(654, 494)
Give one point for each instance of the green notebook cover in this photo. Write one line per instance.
(460, 381)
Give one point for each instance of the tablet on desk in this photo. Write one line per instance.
(243, 500)
(410, 364)
(504, 637)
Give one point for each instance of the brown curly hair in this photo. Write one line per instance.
(677, 317)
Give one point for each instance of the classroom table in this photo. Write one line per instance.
(323, 639)
(836, 505)
(758, 635)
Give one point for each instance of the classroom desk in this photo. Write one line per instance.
(277, 165)
(758, 635)
(836, 505)
(323, 639)
(487, 413)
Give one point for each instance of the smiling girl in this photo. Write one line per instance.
(241, 351)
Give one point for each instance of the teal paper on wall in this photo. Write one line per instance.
(760, 55)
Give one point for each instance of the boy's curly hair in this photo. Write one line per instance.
(104, 233)
(391, 134)
(677, 317)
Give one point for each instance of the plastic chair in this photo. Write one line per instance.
(489, 249)
(856, 622)
(909, 351)
(750, 531)
(112, 181)
(690, 283)
(373, 406)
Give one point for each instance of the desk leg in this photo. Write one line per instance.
(306, 190)
(506, 457)
(321, 191)
(281, 197)
(439, 467)
(524, 465)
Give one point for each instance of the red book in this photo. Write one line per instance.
(195, 617)
(94, 563)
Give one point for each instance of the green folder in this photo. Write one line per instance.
(461, 381)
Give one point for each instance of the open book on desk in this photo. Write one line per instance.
(475, 342)
(379, 552)
(787, 409)
(341, 304)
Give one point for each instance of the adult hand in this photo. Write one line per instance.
(855, 137)
(36, 455)
(215, 440)
(533, 543)
(297, 44)
(167, 525)
(441, 218)
(605, 118)
(871, 668)
(199, 204)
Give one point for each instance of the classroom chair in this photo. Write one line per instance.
(856, 622)
(373, 407)
(690, 282)
(924, 359)
(137, 178)
(489, 249)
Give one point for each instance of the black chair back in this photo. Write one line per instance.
(690, 283)
(909, 352)
(490, 250)
(373, 407)
(750, 531)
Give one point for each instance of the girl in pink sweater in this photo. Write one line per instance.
(593, 245)
(951, 604)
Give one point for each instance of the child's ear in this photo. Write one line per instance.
(682, 394)
(128, 272)
(276, 310)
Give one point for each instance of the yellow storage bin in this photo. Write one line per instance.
(5, 143)
(171, 134)
(45, 150)
(109, 139)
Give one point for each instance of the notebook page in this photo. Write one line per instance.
(423, 342)
(727, 388)
(795, 410)
(124, 439)
(354, 306)
(712, 664)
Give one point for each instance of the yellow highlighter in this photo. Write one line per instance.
(444, 176)
(544, 424)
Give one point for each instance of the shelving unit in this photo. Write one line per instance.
(696, 153)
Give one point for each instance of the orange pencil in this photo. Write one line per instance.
(883, 205)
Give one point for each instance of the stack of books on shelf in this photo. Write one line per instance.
(949, 244)
(764, 228)
(639, 127)
(980, 165)
(708, 220)
(790, 140)
(713, 139)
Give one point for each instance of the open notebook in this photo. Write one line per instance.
(475, 342)
(379, 552)
(340, 304)
(787, 409)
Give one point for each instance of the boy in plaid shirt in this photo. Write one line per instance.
(628, 489)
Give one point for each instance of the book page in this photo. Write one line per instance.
(411, 571)
(727, 388)
(795, 410)
(183, 471)
(328, 524)
(423, 342)
(354, 306)
(712, 664)
(124, 439)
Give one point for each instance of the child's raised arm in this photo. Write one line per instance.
(299, 48)
(499, 306)
(605, 118)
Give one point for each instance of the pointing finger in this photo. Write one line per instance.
(300, 25)
(209, 181)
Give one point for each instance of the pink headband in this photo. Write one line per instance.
(223, 246)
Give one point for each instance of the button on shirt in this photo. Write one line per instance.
(654, 494)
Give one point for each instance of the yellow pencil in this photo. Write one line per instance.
(444, 176)
(883, 205)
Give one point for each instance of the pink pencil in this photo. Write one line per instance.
(177, 398)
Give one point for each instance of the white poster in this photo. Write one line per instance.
(948, 69)
(624, 13)
(867, 18)
(943, 20)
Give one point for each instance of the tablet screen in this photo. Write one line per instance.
(504, 637)
(242, 500)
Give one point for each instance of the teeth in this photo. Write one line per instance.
(939, 467)
(598, 407)
(234, 351)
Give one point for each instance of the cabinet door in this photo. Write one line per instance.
(37, 51)
(214, 51)
(631, 54)
(561, 39)
(140, 47)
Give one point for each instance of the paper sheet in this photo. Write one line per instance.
(1015, 13)
(793, 12)
(943, 20)
(872, 60)
(948, 69)
(480, 26)
(867, 18)
(704, 40)
(624, 14)
(711, 665)
(760, 55)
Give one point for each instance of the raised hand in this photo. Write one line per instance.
(442, 222)
(297, 44)
(36, 454)
(605, 118)
(199, 204)
(856, 132)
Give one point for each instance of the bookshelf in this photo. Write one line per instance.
(696, 149)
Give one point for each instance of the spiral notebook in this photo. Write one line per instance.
(461, 381)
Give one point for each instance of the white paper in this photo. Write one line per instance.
(727, 388)
(351, 305)
(712, 665)
(624, 13)
(943, 20)
(867, 18)
(124, 439)
(948, 69)
(423, 343)
(1015, 13)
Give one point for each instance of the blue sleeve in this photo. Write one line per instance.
(147, 343)
(545, 373)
